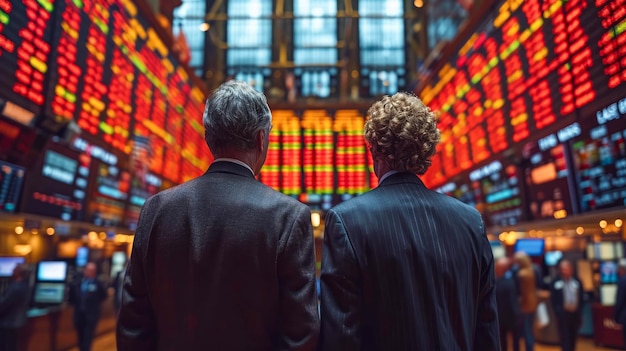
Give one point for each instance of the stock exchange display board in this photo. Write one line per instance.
(25, 37)
(102, 65)
(528, 66)
(528, 69)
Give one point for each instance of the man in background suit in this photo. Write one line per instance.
(620, 300)
(508, 305)
(13, 308)
(403, 267)
(566, 295)
(223, 262)
(86, 294)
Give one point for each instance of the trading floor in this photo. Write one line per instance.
(106, 342)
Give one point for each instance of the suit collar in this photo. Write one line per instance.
(401, 177)
(229, 167)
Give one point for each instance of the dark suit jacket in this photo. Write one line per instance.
(221, 262)
(406, 268)
(508, 304)
(557, 297)
(14, 304)
(620, 302)
(87, 303)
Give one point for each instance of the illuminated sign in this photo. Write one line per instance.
(528, 66)
(25, 36)
(11, 179)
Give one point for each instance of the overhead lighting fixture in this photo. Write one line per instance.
(205, 27)
(418, 3)
(619, 223)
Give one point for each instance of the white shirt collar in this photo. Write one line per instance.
(234, 160)
(387, 175)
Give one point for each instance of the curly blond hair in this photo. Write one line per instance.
(402, 132)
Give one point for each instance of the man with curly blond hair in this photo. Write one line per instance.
(404, 267)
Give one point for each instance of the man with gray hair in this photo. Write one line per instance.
(223, 262)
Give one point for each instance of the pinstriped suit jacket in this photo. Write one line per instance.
(221, 262)
(406, 268)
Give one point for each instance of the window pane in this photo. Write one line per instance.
(186, 18)
(389, 8)
(249, 34)
(315, 8)
(315, 56)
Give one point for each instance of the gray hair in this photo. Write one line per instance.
(233, 115)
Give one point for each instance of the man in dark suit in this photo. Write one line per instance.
(86, 294)
(566, 295)
(620, 300)
(223, 262)
(508, 305)
(403, 267)
(13, 308)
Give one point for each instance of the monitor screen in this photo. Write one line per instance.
(608, 272)
(11, 179)
(532, 247)
(82, 256)
(7, 264)
(552, 258)
(49, 293)
(52, 271)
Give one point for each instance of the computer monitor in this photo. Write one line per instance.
(82, 256)
(608, 272)
(49, 293)
(552, 258)
(51, 271)
(8, 263)
(531, 246)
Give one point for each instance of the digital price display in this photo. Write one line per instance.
(318, 152)
(498, 194)
(530, 65)
(25, 37)
(116, 78)
(140, 190)
(600, 159)
(59, 189)
(270, 173)
(196, 154)
(350, 152)
(547, 173)
(461, 190)
(111, 188)
(11, 179)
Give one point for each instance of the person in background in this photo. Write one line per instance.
(404, 267)
(527, 287)
(620, 299)
(508, 304)
(86, 294)
(223, 262)
(117, 285)
(13, 307)
(566, 295)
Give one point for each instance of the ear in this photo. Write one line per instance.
(260, 137)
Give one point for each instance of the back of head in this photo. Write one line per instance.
(402, 132)
(502, 266)
(522, 260)
(233, 115)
